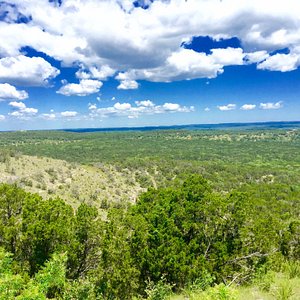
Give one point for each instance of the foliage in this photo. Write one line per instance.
(226, 158)
(116, 275)
(159, 291)
(220, 292)
(293, 268)
(10, 284)
(47, 283)
(222, 209)
(47, 227)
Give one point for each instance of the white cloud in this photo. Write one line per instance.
(145, 107)
(256, 57)
(227, 107)
(50, 116)
(23, 70)
(104, 37)
(83, 88)
(187, 64)
(2, 117)
(17, 114)
(92, 106)
(271, 105)
(128, 85)
(63, 46)
(280, 62)
(18, 105)
(171, 106)
(206, 109)
(122, 106)
(227, 57)
(146, 103)
(248, 107)
(69, 114)
(29, 110)
(9, 92)
(21, 111)
(101, 73)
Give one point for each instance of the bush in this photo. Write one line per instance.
(159, 291)
(199, 285)
(220, 292)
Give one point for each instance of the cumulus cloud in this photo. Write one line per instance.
(29, 111)
(145, 107)
(186, 64)
(61, 45)
(171, 106)
(93, 72)
(2, 117)
(248, 107)
(83, 88)
(228, 56)
(227, 107)
(280, 62)
(69, 114)
(92, 106)
(9, 92)
(50, 116)
(271, 105)
(128, 85)
(206, 109)
(18, 105)
(146, 103)
(108, 37)
(256, 57)
(122, 106)
(29, 71)
(21, 111)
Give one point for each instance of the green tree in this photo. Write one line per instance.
(10, 284)
(84, 255)
(47, 227)
(116, 276)
(11, 204)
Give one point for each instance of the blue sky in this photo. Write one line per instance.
(71, 64)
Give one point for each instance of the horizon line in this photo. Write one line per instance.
(150, 127)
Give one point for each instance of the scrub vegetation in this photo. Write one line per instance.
(204, 214)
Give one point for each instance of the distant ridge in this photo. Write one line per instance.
(220, 126)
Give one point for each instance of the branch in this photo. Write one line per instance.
(206, 251)
(254, 254)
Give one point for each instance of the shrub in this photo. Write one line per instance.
(220, 292)
(159, 291)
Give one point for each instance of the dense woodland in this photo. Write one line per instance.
(220, 211)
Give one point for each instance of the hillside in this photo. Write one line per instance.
(101, 185)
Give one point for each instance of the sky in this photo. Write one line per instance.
(119, 63)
